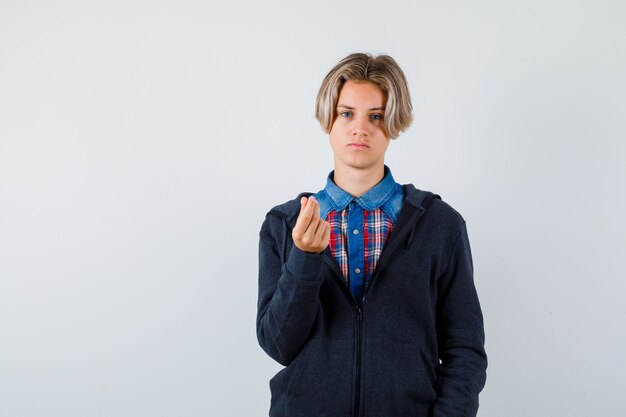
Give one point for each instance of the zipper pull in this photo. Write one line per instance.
(359, 315)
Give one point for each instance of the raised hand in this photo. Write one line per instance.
(311, 233)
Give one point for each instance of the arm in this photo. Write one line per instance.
(289, 289)
(462, 372)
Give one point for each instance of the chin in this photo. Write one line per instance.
(360, 165)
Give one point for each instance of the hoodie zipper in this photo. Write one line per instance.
(359, 317)
(359, 339)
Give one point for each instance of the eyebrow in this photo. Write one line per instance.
(352, 108)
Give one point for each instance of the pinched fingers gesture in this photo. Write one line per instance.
(311, 233)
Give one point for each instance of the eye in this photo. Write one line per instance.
(345, 114)
(376, 116)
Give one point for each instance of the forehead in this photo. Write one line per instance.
(361, 94)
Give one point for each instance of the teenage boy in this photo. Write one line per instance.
(366, 291)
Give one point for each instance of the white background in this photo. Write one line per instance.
(142, 143)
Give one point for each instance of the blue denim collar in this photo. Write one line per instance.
(371, 200)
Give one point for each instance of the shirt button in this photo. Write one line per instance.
(357, 270)
(355, 231)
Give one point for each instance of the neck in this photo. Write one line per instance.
(357, 182)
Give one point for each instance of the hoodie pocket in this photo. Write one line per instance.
(399, 379)
(317, 383)
(286, 379)
(298, 365)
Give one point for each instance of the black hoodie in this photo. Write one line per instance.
(415, 348)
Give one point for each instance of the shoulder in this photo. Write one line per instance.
(437, 210)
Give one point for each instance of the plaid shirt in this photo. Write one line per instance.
(360, 227)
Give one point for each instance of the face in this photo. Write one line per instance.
(357, 136)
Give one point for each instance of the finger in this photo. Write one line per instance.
(322, 235)
(315, 215)
(314, 230)
(320, 230)
(304, 219)
(310, 209)
(311, 233)
(316, 221)
(317, 210)
(326, 234)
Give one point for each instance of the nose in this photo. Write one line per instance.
(361, 127)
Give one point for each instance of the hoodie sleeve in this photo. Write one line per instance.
(461, 374)
(288, 291)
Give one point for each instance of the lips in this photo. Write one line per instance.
(358, 145)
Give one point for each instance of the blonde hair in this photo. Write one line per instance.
(381, 70)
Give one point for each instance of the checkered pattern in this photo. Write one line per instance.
(376, 229)
(338, 221)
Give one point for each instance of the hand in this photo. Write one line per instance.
(311, 233)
